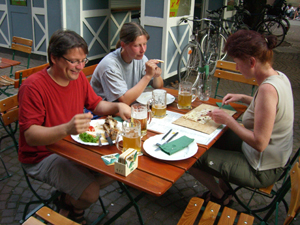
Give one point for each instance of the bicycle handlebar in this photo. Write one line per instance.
(219, 10)
(186, 19)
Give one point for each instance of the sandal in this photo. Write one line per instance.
(207, 196)
(77, 217)
(221, 201)
(60, 202)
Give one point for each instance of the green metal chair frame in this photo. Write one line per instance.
(277, 196)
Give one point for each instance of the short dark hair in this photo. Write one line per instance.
(63, 40)
(130, 31)
(247, 43)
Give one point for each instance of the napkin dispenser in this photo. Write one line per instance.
(127, 162)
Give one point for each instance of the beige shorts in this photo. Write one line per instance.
(226, 160)
(63, 174)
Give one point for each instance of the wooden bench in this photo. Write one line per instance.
(227, 70)
(210, 214)
(49, 216)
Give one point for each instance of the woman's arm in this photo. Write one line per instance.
(264, 118)
(237, 97)
(265, 112)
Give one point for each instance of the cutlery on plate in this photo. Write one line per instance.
(220, 107)
(99, 139)
(167, 140)
(108, 138)
(163, 138)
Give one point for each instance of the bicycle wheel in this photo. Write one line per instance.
(214, 51)
(235, 27)
(272, 27)
(189, 61)
(286, 24)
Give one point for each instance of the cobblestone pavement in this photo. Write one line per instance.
(167, 209)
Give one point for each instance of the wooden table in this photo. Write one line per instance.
(152, 176)
(8, 63)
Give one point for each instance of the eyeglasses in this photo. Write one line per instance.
(76, 62)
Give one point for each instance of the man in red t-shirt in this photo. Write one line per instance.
(51, 107)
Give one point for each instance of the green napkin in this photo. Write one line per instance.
(176, 145)
(229, 107)
(117, 118)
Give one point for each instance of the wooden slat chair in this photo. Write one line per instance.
(19, 44)
(275, 192)
(21, 75)
(46, 215)
(9, 113)
(227, 217)
(22, 45)
(9, 116)
(227, 70)
(211, 213)
(88, 71)
(294, 208)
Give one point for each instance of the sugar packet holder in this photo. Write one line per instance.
(127, 162)
(110, 159)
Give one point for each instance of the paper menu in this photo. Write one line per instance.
(165, 124)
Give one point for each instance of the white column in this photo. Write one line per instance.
(167, 38)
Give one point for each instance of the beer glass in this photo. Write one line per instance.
(204, 88)
(131, 134)
(140, 113)
(186, 95)
(159, 103)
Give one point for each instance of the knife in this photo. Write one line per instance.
(108, 138)
(167, 141)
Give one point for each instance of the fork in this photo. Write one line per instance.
(166, 141)
(163, 138)
(98, 134)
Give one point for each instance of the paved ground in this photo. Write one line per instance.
(167, 209)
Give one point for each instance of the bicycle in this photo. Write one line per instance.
(226, 27)
(208, 50)
(237, 23)
(191, 57)
(271, 25)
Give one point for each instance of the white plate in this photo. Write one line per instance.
(96, 123)
(149, 147)
(145, 96)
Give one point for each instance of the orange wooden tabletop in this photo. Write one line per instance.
(8, 62)
(152, 176)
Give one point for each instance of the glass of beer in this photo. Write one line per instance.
(131, 134)
(140, 113)
(186, 95)
(159, 103)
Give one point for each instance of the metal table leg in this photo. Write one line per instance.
(133, 202)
